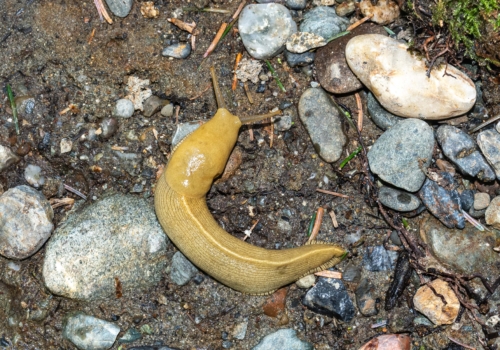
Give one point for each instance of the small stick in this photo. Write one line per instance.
(358, 23)
(461, 344)
(360, 111)
(247, 92)
(206, 9)
(201, 93)
(329, 274)
(56, 202)
(235, 77)
(216, 39)
(272, 135)
(317, 224)
(91, 36)
(332, 193)
(188, 27)
(489, 121)
(334, 219)
(249, 232)
(250, 131)
(78, 193)
(177, 109)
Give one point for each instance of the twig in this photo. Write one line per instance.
(317, 224)
(216, 40)
(360, 22)
(56, 202)
(273, 72)
(271, 137)
(329, 274)
(78, 193)
(247, 92)
(250, 132)
(206, 9)
(234, 18)
(489, 121)
(249, 232)
(334, 219)
(461, 344)
(332, 193)
(235, 76)
(188, 27)
(177, 109)
(91, 36)
(360, 111)
(14, 108)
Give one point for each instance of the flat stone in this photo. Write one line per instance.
(25, 222)
(301, 42)
(66, 145)
(443, 201)
(183, 130)
(283, 339)
(323, 21)
(120, 8)
(306, 282)
(108, 126)
(398, 200)
(352, 273)
(384, 12)
(7, 158)
(489, 143)
(329, 297)
(299, 59)
(265, 28)
(179, 50)
(378, 259)
(345, 8)
(366, 299)
(481, 200)
(398, 79)
(428, 303)
(461, 149)
(153, 105)
(89, 333)
(334, 73)
(296, 4)
(124, 108)
(117, 237)
(388, 342)
(468, 251)
(380, 116)
(322, 121)
(182, 269)
(492, 214)
(401, 152)
(240, 330)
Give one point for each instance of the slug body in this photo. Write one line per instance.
(181, 208)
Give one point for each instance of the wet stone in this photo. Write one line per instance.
(398, 152)
(378, 259)
(25, 222)
(481, 200)
(352, 273)
(152, 105)
(296, 4)
(283, 339)
(467, 199)
(443, 203)
(299, 59)
(183, 130)
(398, 200)
(265, 28)
(124, 108)
(7, 158)
(130, 336)
(116, 237)
(380, 116)
(182, 269)
(33, 175)
(109, 126)
(322, 121)
(489, 143)
(323, 21)
(329, 297)
(461, 149)
(179, 50)
(120, 8)
(89, 333)
(365, 298)
(301, 42)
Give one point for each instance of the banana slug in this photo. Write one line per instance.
(183, 213)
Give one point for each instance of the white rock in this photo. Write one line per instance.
(398, 79)
(66, 145)
(7, 158)
(385, 12)
(33, 175)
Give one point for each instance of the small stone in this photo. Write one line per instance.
(25, 222)
(120, 8)
(492, 215)
(398, 200)
(265, 28)
(296, 4)
(124, 108)
(286, 120)
(365, 298)
(167, 110)
(149, 10)
(301, 42)
(7, 158)
(398, 79)
(345, 8)
(152, 105)
(461, 149)
(240, 330)
(226, 344)
(299, 59)
(323, 21)
(182, 269)
(138, 91)
(428, 303)
(66, 145)
(179, 50)
(249, 70)
(306, 282)
(380, 116)
(489, 143)
(399, 154)
(183, 130)
(388, 342)
(402, 275)
(33, 175)
(283, 339)
(21, 151)
(467, 199)
(352, 274)
(443, 201)
(481, 200)
(322, 121)
(384, 12)
(329, 296)
(89, 333)
(275, 304)
(25, 105)
(130, 336)
(378, 259)
(108, 126)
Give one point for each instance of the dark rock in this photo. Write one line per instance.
(402, 274)
(108, 127)
(365, 298)
(352, 273)
(153, 105)
(398, 200)
(467, 199)
(380, 116)
(378, 259)
(179, 50)
(299, 59)
(442, 202)
(329, 297)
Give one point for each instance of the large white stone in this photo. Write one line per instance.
(398, 79)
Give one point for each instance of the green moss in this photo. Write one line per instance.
(466, 19)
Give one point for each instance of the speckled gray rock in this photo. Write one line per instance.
(443, 202)
(398, 200)
(286, 120)
(124, 108)
(380, 116)
(301, 42)
(397, 153)
(25, 222)
(184, 129)
(182, 269)
(89, 333)
(283, 339)
(461, 149)
(130, 336)
(322, 121)
(296, 4)
(115, 237)
(265, 28)
(489, 143)
(323, 21)
(299, 59)
(366, 299)
(378, 259)
(179, 50)
(120, 8)
(7, 158)
(329, 297)
(352, 273)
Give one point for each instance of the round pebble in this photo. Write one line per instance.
(120, 8)
(306, 282)
(167, 110)
(109, 127)
(124, 108)
(398, 200)
(33, 175)
(179, 50)
(481, 200)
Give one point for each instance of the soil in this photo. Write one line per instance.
(46, 53)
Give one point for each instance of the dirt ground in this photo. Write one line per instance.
(45, 53)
